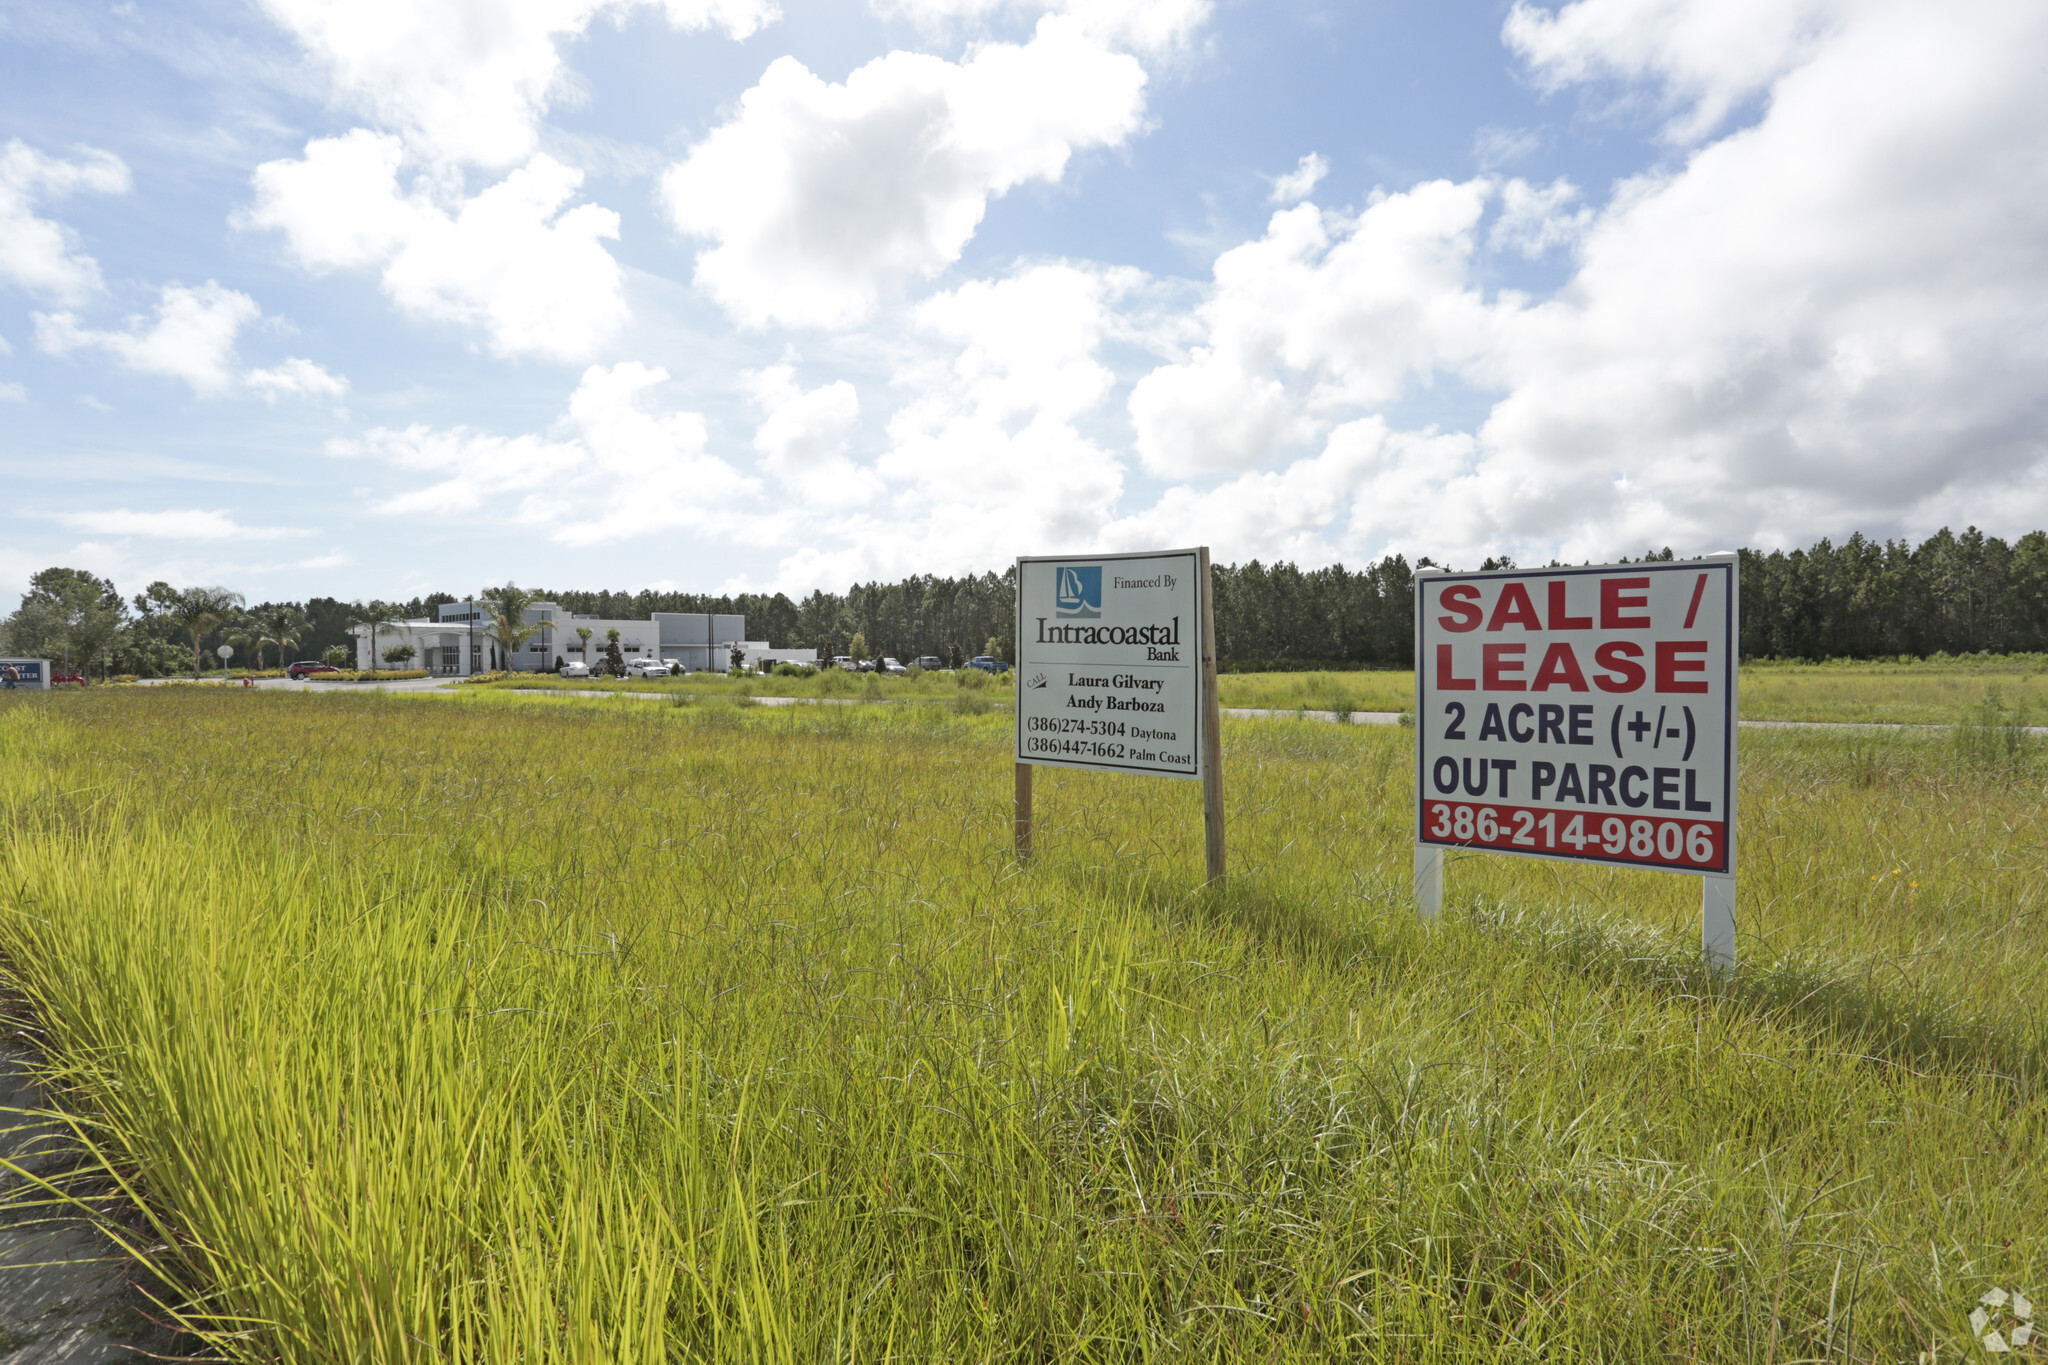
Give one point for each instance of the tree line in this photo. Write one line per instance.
(1862, 599)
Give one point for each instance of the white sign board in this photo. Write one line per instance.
(29, 673)
(1109, 663)
(1585, 714)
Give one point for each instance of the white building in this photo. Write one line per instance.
(461, 639)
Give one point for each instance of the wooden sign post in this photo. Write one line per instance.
(1116, 670)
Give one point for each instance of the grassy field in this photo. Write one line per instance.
(488, 1028)
(1937, 692)
(829, 683)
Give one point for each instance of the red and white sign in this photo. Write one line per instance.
(1586, 714)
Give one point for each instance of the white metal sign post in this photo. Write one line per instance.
(1581, 714)
(1116, 670)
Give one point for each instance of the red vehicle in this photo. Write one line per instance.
(308, 666)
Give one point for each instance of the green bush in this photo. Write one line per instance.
(379, 675)
(1994, 735)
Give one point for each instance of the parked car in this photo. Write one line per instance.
(575, 669)
(928, 663)
(988, 663)
(842, 661)
(649, 668)
(306, 666)
(892, 668)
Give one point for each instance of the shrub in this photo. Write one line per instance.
(1994, 735)
(376, 675)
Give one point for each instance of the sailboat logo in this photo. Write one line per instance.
(1078, 594)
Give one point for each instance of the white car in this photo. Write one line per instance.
(649, 668)
(576, 669)
(893, 669)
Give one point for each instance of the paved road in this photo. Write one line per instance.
(441, 685)
(288, 685)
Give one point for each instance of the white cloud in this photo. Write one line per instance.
(1707, 57)
(1153, 27)
(468, 81)
(339, 206)
(295, 378)
(824, 198)
(1836, 317)
(185, 524)
(647, 471)
(11, 392)
(617, 469)
(41, 255)
(476, 465)
(1494, 146)
(1369, 490)
(448, 85)
(1299, 183)
(1534, 219)
(191, 338)
(992, 455)
(803, 438)
(1320, 315)
(513, 261)
(989, 457)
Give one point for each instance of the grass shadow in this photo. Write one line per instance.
(1841, 1007)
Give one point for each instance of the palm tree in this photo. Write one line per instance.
(197, 611)
(583, 645)
(378, 618)
(508, 624)
(285, 626)
(248, 637)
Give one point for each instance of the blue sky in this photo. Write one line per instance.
(373, 298)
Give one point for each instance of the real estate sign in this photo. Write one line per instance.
(1584, 714)
(1109, 663)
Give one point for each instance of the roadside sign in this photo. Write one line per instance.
(1116, 670)
(28, 673)
(1587, 715)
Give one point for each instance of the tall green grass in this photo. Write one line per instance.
(499, 1028)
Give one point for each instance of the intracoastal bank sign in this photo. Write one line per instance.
(1108, 663)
